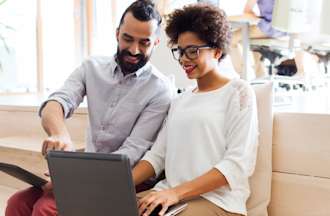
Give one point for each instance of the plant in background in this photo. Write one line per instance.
(3, 29)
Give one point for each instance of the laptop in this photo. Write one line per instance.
(100, 184)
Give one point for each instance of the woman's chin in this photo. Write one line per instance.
(190, 76)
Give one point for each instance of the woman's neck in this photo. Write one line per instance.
(211, 81)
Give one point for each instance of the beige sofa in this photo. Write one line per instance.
(301, 165)
(292, 175)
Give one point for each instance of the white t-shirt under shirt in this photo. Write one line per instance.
(215, 129)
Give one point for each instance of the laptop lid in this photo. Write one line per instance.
(92, 184)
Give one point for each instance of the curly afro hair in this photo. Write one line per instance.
(207, 21)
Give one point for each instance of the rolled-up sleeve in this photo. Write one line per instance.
(146, 128)
(71, 94)
(242, 141)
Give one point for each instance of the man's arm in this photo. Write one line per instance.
(146, 128)
(59, 106)
(52, 120)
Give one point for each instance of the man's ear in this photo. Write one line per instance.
(117, 34)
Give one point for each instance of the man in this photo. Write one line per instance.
(127, 97)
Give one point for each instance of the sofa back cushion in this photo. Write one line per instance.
(260, 181)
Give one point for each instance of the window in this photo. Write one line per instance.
(58, 41)
(18, 47)
(106, 20)
(103, 37)
(44, 41)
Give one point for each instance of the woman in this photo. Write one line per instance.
(208, 144)
(262, 29)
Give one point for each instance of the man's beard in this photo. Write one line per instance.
(127, 67)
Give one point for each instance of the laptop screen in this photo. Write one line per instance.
(92, 184)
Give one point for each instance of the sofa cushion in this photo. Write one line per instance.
(260, 181)
(299, 195)
(297, 154)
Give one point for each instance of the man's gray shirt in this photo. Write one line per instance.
(125, 112)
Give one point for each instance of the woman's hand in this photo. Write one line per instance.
(207, 182)
(165, 198)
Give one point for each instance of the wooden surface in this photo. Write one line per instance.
(29, 143)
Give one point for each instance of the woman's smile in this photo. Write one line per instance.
(189, 68)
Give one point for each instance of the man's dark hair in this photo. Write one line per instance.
(208, 22)
(143, 10)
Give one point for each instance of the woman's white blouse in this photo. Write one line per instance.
(216, 129)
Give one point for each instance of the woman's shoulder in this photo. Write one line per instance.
(240, 85)
(242, 92)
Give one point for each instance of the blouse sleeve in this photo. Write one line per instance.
(241, 136)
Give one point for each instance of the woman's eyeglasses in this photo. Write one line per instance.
(191, 52)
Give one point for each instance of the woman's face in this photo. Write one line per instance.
(196, 62)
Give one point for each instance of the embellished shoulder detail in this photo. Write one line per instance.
(245, 94)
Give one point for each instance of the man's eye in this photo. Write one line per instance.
(145, 43)
(127, 39)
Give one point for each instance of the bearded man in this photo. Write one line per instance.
(128, 99)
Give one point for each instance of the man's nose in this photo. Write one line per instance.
(134, 49)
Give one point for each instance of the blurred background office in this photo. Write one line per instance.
(41, 42)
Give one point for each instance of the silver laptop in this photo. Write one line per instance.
(99, 184)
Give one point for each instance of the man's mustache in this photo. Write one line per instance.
(127, 53)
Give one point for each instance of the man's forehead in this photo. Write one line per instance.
(137, 28)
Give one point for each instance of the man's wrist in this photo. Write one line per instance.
(64, 138)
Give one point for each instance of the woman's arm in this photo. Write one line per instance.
(207, 182)
(249, 6)
(142, 171)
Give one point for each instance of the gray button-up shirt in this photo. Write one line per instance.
(125, 112)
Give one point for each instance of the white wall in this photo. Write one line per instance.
(232, 7)
(163, 60)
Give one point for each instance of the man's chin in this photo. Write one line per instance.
(131, 64)
(129, 68)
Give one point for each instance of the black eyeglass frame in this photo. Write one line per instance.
(183, 51)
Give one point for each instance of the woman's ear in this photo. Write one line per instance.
(218, 53)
